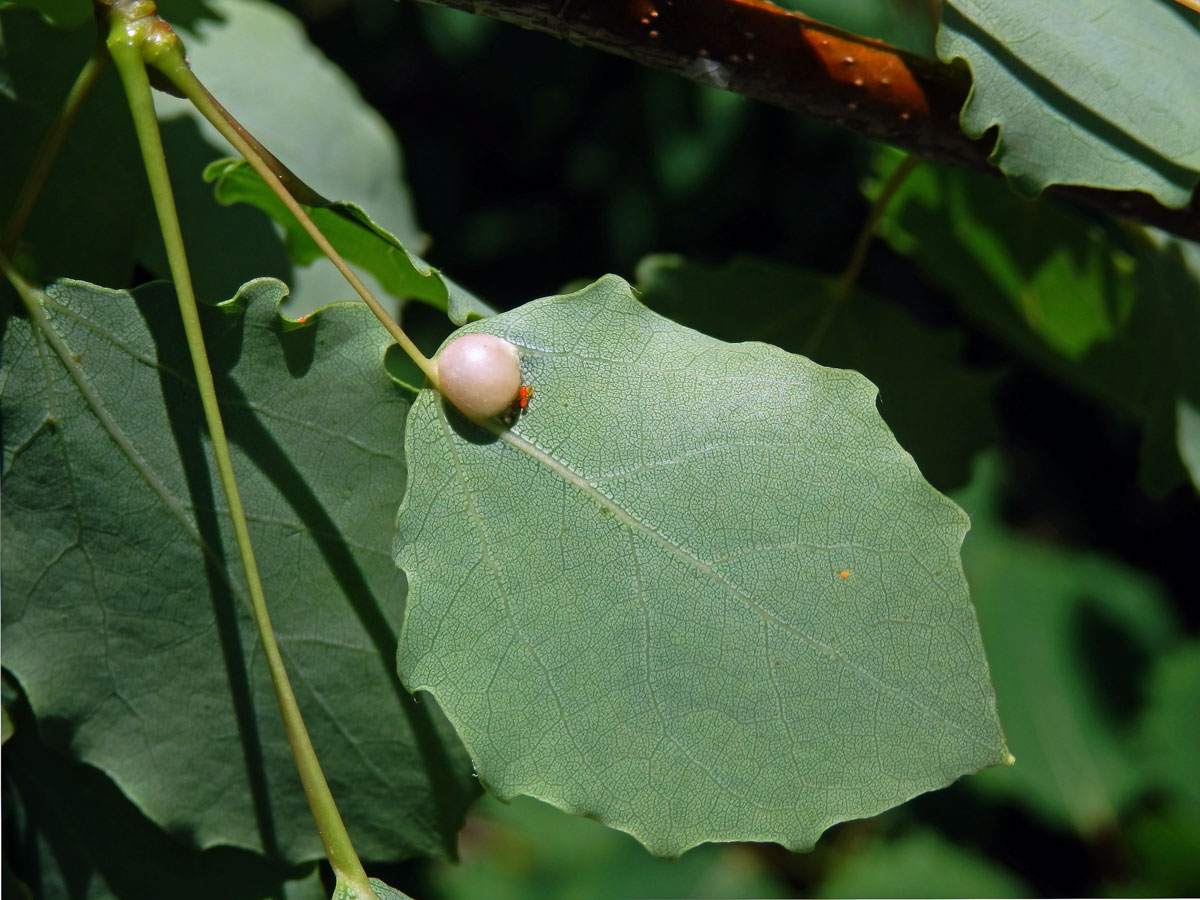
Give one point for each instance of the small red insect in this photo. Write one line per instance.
(524, 392)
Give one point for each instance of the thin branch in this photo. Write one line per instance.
(84, 84)
(783, 58)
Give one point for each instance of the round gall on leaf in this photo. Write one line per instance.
(480, 374)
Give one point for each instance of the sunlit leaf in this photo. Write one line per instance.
(1117, 318)
(354, 235)
(1100, 93)
(697, 591)
(938, 406)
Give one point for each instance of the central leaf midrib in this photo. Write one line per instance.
(525, 446)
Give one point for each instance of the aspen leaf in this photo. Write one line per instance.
(696, 591)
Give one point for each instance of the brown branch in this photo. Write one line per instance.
(759, 50)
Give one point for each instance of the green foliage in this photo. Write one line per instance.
(1054, 620)
(908, 25)
(1056, 77)
(567, 580)
(257, 60)
(631, 603)
(354, 235)
(122, 622)
(515, 850)
(1113, 316)
(920, 864)
(96, 842)
(938, 407)
(62, 239)
(61, 13)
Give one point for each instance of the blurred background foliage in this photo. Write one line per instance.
(1009, 368)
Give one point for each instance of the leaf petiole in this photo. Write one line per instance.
(169, 60)
(843, 286)
(136, 36)
(87, 79)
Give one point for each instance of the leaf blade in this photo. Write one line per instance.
(594, 686)
(1055, 77)
(132, 637)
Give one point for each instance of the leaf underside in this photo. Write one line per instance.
(1100, 93)
(126, 623)
(697, 591)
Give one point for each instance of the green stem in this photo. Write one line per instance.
(175, 68)
(862, 244)
(843, 287)
(88, 76)
(128, 40)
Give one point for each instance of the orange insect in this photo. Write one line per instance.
(524, 392)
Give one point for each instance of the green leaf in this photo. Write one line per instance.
(386, 891)
(356, 237)
(528, 849)
(923, 383)
(631, 604)
(1118, 319)
(382, 891)
(1036, 274)
(920, 864)
(1101, 93)
(1188, 433)
(1067, 634)
(120, 619)
(258, 61)
(1170, 730)
(906, 25)
(1166, 844)
(81, 837)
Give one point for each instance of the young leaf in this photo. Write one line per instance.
(258, 61)
(1101, 93)
(353, 234)
(120, 618)
(697, 591)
